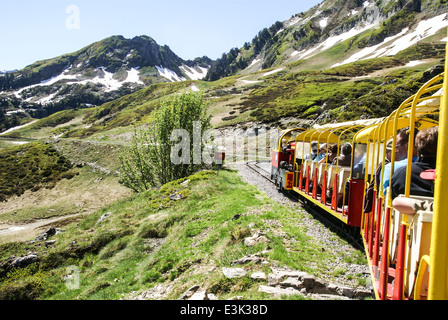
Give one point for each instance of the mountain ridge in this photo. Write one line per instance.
(95, 74)
(111, 53)
(363, 23)
(331, 34)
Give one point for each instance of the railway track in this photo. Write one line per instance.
(351, 234)
(254, 166)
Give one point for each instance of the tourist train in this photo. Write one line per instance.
(342, 170)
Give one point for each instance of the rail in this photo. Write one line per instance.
(347, 233)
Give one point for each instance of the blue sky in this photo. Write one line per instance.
(35, 30)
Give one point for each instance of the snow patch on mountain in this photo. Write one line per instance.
(169, 74)
(254, 62)
(389, 47)
(323, 23)
(62, 76)
(104, 78)
(197, 73)
(374, 51)
(249, 81)
(107, 80)
(133, 76)
(272, 72)
(403, 40)
(331, 41)
(45, 100)
(292, 21)
(414, 63)
(48, 82)
(194, 88)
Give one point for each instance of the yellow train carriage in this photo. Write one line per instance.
(334, 186)
(397, 244)
(407, 252)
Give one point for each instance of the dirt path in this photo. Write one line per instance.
(24, 232)
(18, 127)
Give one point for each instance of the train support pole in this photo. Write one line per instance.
(323, 197)
(438, 278)
(377, 234)
(384, 270)
(398, 293)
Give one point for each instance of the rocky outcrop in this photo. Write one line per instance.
(285, 282)
(292, 282)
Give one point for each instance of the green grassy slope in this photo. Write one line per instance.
(150, 240)
(31, 167)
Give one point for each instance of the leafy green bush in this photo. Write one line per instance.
(148, 161)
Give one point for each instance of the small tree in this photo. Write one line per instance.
(155, 155)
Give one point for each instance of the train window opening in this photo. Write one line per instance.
(304, 151)
(359, 160)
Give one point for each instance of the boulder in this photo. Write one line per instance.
(255, 239)
(187, 294)
(233, 272)
(299, 282)
(258, 276)
(23, 262)
(196, 293)
(45, 235)
(103, 217)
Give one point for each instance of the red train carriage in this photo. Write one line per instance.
(283, 158)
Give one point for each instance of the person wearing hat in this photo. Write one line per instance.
(426, 145)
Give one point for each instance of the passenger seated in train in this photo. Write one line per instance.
(345, 158)
(410, 206)
(332, 153)
(359, 161)
(313, 154)
(322, 152)
(426, 145)
(401, 155)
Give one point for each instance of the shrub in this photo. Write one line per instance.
(148, 161)
(23, 284)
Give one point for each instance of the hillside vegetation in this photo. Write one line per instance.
(149, 241)
(31, 167)
(273, 46)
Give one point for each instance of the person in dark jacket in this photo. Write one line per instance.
(426, 144)
(345, 158)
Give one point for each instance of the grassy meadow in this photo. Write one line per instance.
(149, 240)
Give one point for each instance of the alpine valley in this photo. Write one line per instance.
(65, 121)
(355, 47)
